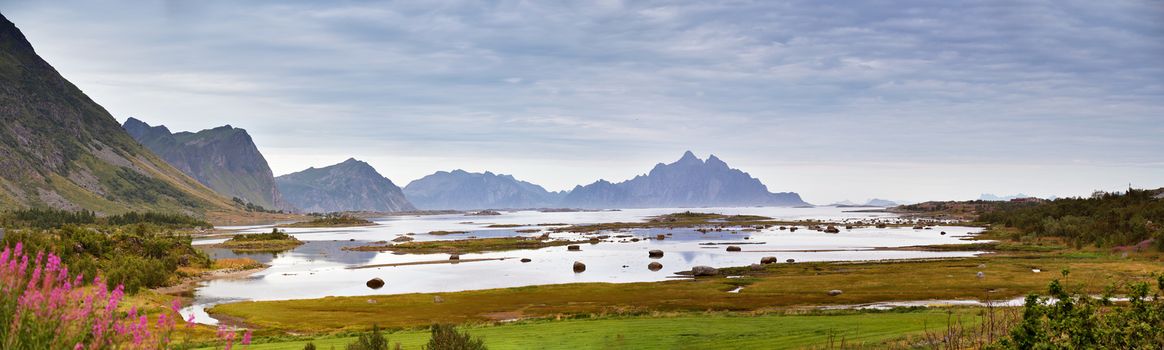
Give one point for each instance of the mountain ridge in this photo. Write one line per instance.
(687, 182)
(60, 149)
(463, 190)
(223, 158)
(351, 185)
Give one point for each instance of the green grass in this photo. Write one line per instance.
(689, 331)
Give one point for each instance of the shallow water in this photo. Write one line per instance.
(321, 268)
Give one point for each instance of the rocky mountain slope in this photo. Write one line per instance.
(60, 149)
(349, 186)
(462, 190)
(224, 159)
(688, 182)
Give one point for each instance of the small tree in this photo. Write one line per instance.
(446, 337)
(369, 341)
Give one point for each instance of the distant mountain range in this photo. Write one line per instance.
(688, 182)
(60, 149)
(991, 197)
(461, 190)
(224, 159)
(348, 186)
(875, 202)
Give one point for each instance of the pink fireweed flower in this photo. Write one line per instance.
(246, 340)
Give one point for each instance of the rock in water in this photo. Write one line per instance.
(732, 248)
(832, 229)
(402, 239)
(375, 283)
(704, 271)
(573, 248)
(579, 267)
(790, 261)
(655, 253)
(454, 257)
(768, 260)
(525, 260)
(654, 266)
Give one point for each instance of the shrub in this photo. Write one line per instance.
(372, 340)
(446, 337)
(1073, 321)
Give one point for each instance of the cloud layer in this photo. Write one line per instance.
(837, 101)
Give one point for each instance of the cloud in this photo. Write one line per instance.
(765, 83)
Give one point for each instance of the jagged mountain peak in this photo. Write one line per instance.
(223, 158)
(688, 182)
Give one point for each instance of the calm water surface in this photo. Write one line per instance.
(322, 268)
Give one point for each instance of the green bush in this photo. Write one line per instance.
(372, 340)
(1105, 220)
(1073, 321)
(446, 337)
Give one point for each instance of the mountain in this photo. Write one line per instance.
(461, 190)
(349, 186)
(60, 149)
(224, 159)
(688, 182)
(877, 202)
(991, 197)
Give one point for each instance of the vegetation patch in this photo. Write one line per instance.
(333, 221)
(262, 242)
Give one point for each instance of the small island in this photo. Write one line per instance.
(332, 221)
(273, 241)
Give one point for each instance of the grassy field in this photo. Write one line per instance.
(689, 331)
(779, 286)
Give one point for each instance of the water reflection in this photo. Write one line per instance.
(322, 268)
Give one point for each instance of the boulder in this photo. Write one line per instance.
(660, 237)
(981, 274)
(654, 266)
(525, 260)
(375, 283)
(943, 233)
(574, 248)
(768, 260)
(579, 267)
(655, 253)
(704, 271)
(832, 229)
(756, 267)
(454, 256)
(790, 261)
(835, 292)
(792, 229)
(732, 248)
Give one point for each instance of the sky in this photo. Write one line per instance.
(904, 100)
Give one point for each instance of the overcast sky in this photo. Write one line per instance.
(890, 99)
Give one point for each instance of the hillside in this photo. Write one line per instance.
(348, 186)
(60, 149)
(688, 182)
(461, 190)
(224, 159)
